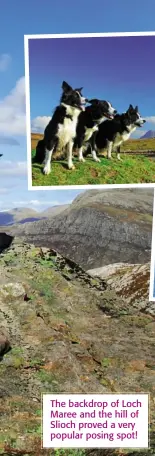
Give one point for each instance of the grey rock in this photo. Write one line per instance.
(5, 346)
(100, 227)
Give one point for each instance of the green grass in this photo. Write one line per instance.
(132, 169)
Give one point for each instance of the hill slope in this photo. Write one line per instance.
(99, 227)
(55, 210)
(68, 332)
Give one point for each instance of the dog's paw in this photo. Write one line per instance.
(46, 170)
(97, 160)
(82, 160)
(71, 166)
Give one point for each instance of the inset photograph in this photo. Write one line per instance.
(90, 109)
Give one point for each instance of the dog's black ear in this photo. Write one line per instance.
(130, 107)
(80, 90)
(136, 108)
(93, 101)
(66, 87)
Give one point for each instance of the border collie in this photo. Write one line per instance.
(113, 133)
(88, 122)
(61, 130)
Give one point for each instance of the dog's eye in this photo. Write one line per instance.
(77, 94)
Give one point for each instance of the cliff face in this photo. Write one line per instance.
(69, 331)
(99, 228)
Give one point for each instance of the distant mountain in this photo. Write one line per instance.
(25, 215)
(18, 215)
(149, 134)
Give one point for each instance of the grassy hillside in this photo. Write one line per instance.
(135, 167)
(35, 137)
(71, 333)
(131, 145)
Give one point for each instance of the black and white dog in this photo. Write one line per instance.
(61, 130)
(112, 133)
(89, 121)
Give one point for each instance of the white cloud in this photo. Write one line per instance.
(4, 210)
(138, 133)
(12, 111)
(37, 203)
(9, 168)
(8, 140)
(3, 191)
(150, 119)
(39, 123)
(5, 60)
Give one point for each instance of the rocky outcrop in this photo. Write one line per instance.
(99, 227)
(5, 241)
(5, 346)
(130, 282)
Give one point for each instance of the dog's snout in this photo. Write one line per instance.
(115, 111)
(144, 120)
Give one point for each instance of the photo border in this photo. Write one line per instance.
(152, 267)
(28, 117)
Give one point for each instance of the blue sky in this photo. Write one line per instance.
(118, 69)
(36, 17)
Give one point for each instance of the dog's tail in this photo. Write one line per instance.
(40, 152)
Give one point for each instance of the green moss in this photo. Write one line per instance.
(104, 382)
(48, 380)
(137, 320)
(17, 350)
(38, 412)
(43, 286)
(46, 262)
(35, 430)
(36, 362)
(17, 362)
(105, 362)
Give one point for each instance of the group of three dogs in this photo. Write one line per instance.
(79, 124)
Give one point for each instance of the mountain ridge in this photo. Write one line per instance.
(148, 134)
(96, 227)
(24, 214)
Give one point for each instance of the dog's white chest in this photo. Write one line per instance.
(66, 131)
(89, 132)
(121, 138)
